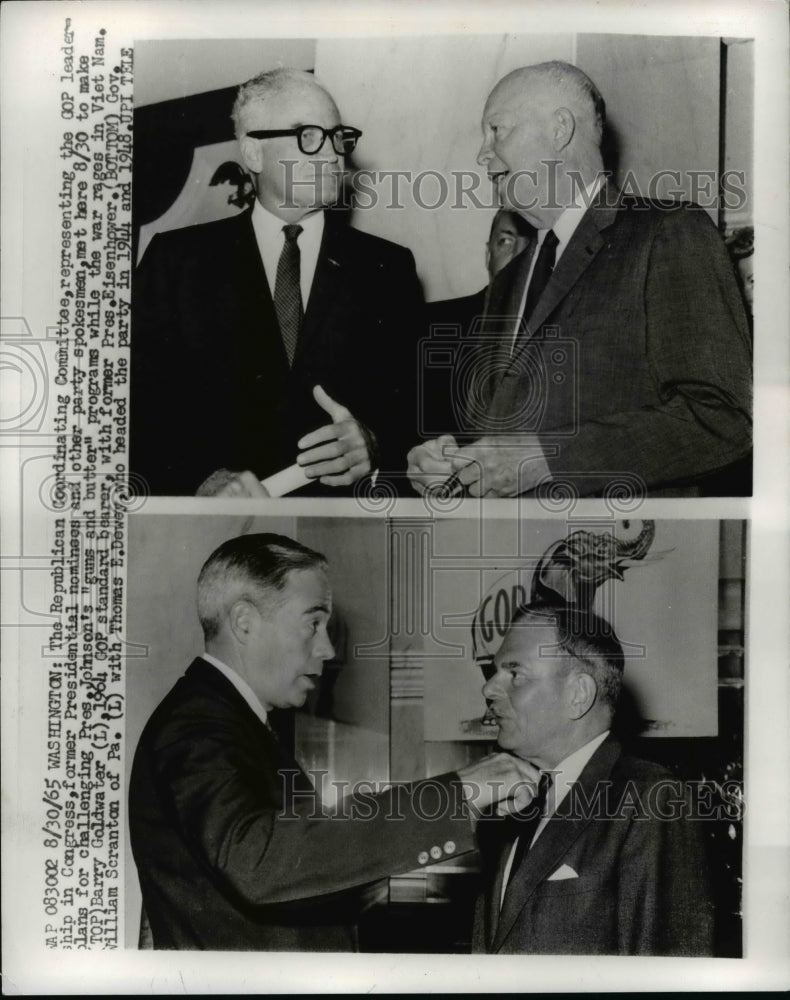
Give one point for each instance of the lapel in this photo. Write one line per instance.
(507, 287)
(554, 842)
(271, 749)
(501, 312)
(331, 272)
(492, 916)
(585, 244)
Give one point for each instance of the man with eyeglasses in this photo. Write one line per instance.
(279, 336)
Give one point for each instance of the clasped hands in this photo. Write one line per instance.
(337, 454)
(493, 466)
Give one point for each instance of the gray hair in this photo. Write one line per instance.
(251, 567)
(588, 641)
(272, 83)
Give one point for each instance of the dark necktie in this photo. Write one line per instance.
(525, 828)
(287, 291)
(541, 273)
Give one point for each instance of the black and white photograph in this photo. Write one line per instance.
(394, 434)
(289, 789)
(257, 346)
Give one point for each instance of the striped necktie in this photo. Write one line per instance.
(288, 293)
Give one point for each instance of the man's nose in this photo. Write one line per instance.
(485, 154)
(492, 686)
(327, 151)
(324, 650)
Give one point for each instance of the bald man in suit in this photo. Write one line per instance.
(616, 351)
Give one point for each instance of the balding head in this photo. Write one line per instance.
(556, 84)
(542, 130)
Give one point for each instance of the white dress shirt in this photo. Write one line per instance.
(241, 686)
(270, 238)
(563, 228)
(564, 774)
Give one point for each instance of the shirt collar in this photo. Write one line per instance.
(268, 227)
(241, 686)
(566, 225)
(569, 769)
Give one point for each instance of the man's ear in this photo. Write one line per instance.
(564, 126)
(251, 154)
(241, 619)
(583, 691)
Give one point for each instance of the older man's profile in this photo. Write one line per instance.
(617, 340)
(608, 860)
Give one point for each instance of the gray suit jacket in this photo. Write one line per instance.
(641, 885)
(636, 363)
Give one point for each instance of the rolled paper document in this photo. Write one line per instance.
(284, 482)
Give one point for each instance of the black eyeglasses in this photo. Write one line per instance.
(311, 138)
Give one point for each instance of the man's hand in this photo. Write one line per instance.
(224, 483)
(509, 781)
(339, 453)
(429, 464)
(505, 466)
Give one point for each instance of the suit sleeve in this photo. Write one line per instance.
(266, 847)
(393, 401)
(664, 902)
(699, 358)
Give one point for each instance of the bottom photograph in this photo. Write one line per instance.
(447, 735)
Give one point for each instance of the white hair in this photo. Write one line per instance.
(264, 86)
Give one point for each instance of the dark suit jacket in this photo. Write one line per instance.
(227, 837)
(211, 386)
(642, 884)
(636, 361)
(449, 323)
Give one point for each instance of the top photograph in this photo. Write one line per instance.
(486, 266)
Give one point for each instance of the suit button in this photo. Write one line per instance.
(449, 847)
(436, 853)
(422, 857)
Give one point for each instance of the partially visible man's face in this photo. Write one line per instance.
(529, 693)
(746, 271)
(517, 148)
(289, 643)
(505, 243)
(285, 176)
